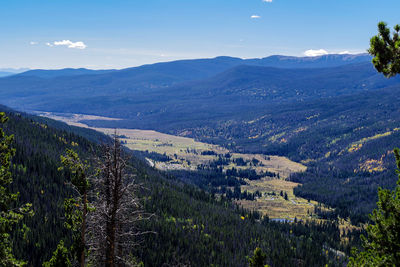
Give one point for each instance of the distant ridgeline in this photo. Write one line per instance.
(333, 113)
(192, 227)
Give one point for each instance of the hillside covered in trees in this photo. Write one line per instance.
(335, 114)
(189, 226)
(260, 133)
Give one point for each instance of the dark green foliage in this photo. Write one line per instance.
(329, 124)
(36, 176)
(10, 214)
(258, 258)
(191, 226)
(385, 48)
(77, 206)
(61, 257)
(78, 169)
(382, 246)
(194, 227)
(337, 123)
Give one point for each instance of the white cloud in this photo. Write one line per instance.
(315, 53)
(33, 43)
(70, 44)
(49, 44)
(267, 1)
(321, 52)
(255, 17)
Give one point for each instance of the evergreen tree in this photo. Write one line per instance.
(60, 257)
(258, 258)
(9, 214)
(76, 208)
(76, 212)
(386, 50)
(382, 247)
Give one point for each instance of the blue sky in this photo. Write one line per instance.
(123, 33)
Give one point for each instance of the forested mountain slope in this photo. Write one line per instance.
(62, 72)
(34, 168)
(192, 226)
(345, 141)
(150, 77)
(233, 94)
(331, 117)
(325, 61)
(201, 68)
(242, 93)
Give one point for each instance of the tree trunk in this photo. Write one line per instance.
(83, 230)
(110, 245)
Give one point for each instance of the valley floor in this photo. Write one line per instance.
(277, 199)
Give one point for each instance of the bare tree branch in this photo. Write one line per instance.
(117, 210)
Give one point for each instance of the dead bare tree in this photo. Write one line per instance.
(114, 221)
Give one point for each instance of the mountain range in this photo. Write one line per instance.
(9, 71)
(136, 93)
(333, 113)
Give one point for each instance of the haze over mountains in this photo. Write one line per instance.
(9, 71)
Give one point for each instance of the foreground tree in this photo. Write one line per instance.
(9, 214)
(385, 47)
(382, 247)
(117, 210)
(76, 212)
(77, 207)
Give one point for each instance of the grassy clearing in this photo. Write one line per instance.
(276, 164)
(186, 153)
(273, 204)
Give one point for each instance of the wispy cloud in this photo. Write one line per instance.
(33, 43)
(49, 44)
(267, 1)
(255, 17)
(69, 44)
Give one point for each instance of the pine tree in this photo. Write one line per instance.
(77, 207)
(9, 214)
(76, 212)
(258, 258)
(61, 257)
(382, 247)
(385, 48)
